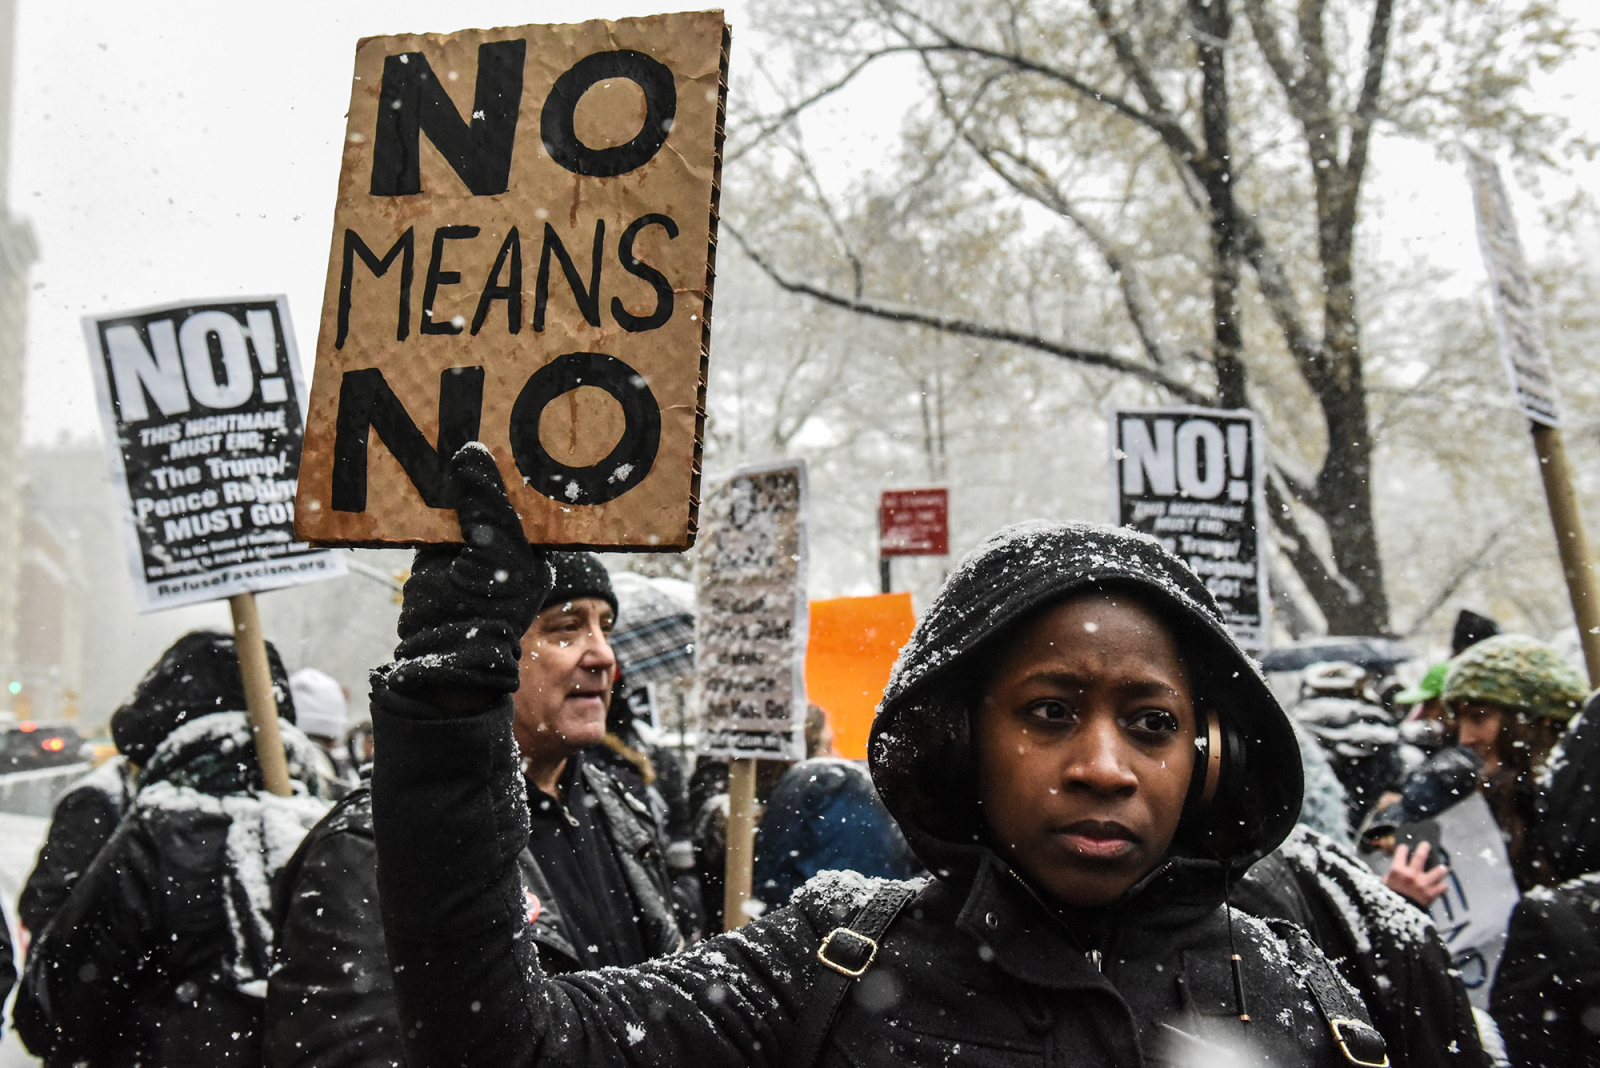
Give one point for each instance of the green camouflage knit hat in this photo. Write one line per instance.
(1517, 672)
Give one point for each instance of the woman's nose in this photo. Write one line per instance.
(1098, 760)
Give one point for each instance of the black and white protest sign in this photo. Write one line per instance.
(203, 409)
(752, 624)
(1192, 477)
(1523, 349)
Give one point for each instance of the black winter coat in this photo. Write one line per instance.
(1546, 996)
(83, 821)
(159, 956)
(1383, 945)
(977, 970)
(331, 999)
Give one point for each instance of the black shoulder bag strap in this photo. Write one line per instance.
(1361, 1044)
(846, 954)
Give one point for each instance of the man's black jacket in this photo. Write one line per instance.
(331, 999)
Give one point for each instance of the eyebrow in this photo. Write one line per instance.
(1134, 688)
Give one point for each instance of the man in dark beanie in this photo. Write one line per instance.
(595, 883)
(198, 674)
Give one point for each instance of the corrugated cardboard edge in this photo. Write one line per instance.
(692, 529)
(705, 314)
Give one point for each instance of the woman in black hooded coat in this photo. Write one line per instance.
(976, 965)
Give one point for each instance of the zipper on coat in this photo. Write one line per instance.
(1095, 959)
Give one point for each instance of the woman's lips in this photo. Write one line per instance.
(1096, 840)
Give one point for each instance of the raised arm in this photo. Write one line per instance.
(450, 817)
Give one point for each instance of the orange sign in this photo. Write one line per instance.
(853, 645)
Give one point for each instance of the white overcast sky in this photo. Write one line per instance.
(183, 150)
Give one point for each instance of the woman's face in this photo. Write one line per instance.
(1478, 729)
(1085, 742)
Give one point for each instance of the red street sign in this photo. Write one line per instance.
(914, 523)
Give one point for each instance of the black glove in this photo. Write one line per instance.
(467, 606)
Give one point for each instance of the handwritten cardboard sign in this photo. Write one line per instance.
(523, 253)
(1193, 478)
(751, 627)
(201, 405)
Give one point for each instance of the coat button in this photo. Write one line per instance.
(991, 921)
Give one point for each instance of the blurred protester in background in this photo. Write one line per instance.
(322, 711)
(188, 675)
(708, 797)
(1340, 708)
(1424, 725)
(161, 951)
(1470, 629)
(1546, 995)
(81, 823)
(824, 815)
(1509, 698)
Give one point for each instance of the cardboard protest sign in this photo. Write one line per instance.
(1516, 311)
(750, 629)
(523, 251)
(202, 409)
(1473, 913)
(1193, 478)
(853, 645)
(914, 523)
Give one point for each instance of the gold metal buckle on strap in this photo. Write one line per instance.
(872, 953)
(1337, 1026)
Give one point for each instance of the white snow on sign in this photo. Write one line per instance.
(750, 632)
(1516, 309)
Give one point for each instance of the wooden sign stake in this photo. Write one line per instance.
(741, 843)
(1570, 540)
(258, 697)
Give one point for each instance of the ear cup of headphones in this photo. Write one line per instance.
(1219, 788)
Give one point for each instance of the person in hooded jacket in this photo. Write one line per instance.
(187, 678)
(1071, 742)
(823, 815)
(1546, 993)
(159, 955)
(331, 999)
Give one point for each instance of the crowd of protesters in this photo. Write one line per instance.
(1088, 832)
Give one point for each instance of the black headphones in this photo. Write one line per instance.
(1219, 784)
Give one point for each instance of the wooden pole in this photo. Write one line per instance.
(1575, 560)
(741, 843)
(258, 697)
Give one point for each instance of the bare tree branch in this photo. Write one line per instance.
(1137, 298)
(967, 328)
(1325, 584)
(1463, 571)
(777, 122)
(1039, 187)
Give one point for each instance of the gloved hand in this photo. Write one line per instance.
(467, 606)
